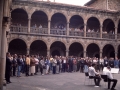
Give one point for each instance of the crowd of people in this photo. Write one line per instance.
(32, 65)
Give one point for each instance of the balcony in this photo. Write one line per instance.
(108, 36)
(44, 31)
(76, 33)
(39, 30)
(20, 29)
(58, 32)
(93, 34)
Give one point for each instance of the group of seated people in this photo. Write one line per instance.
(97, 77)
(76, 29)
(110, 32)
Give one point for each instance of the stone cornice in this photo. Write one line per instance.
(66, 7)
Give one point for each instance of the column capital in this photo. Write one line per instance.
(67, 50)
(29, 18)
(101, 26)
(85, 24)
(68, 22)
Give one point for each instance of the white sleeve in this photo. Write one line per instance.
(95, 72)
(110, 76)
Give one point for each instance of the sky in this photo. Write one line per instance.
(74, 2)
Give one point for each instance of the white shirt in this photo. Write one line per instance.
(92, 71)
(108, 73)
(37, 61)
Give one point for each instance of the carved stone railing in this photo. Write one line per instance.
(18, 29)
(76, 33)
(93, 34)
(108, 36)
(39, 30)
(118, 36)
(58, 32)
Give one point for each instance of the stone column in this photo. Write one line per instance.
(67, 53)
(28, 51)
(85, 52)
(101, 51)
(49, 23)
(116, 28)
(85, 26)
(29, 24)
(1, 59)
(48, 52)
(68, 29)
(101, 31)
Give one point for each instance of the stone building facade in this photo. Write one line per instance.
(48, 28)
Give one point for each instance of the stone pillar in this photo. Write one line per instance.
(116, 28)
(116, 54)
(67, 53)
(48, 52)
(28, 51)
(85, 52)
(68, 29)
(29, 24)
(85, 26)
(101, 51)
(101, 31)
(49, 23)
(1, 59)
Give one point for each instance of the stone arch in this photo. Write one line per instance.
(93, 23)
(17, 46)
(108, 24)
(40, 40)
(78, 15)
(66, 17)
(76, 49)
(92, 49)
(39, 18)
(59, 48)
(107, 49)
(41, 11)
(76, 21)
(38, 47)
(98, 44)
(19, 16)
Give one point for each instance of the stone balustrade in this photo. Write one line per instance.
(58, 32)
(76, 33)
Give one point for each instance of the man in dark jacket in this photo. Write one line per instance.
(8, 68)
(14, 63)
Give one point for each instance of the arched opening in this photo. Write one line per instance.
(93, 25)
(58, 48)
(17, 46)
(19, 17)
(108, 26)
(76, 23)
(119, 51)
(119, 27)
(58, 21)
(76, 49)
(93, 50)
(39, 19)
(108, 51)
(38, 47)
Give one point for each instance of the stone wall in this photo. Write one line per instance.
(99, 4)
(114, 4)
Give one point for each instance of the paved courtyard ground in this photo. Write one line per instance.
(63, 81)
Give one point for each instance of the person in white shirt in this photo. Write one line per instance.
(36, 64)
(110, 78)
(93, 74)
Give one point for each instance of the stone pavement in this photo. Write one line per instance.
(62, 81)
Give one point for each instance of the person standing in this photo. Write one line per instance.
(19, 65)
(42, 64)
(8, 68)
(36, 64)
(32, 65)
(116, 63)
(54, 64)
(14, 63)
(110, 78)
(105, 62)
(27, 65)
